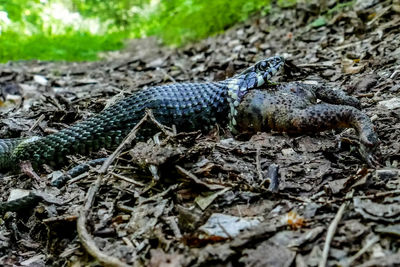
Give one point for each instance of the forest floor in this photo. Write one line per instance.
(209, 202)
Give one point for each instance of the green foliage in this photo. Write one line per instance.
(181, 21)
(286, 3)
(32, 35)
(72, 47)
(340, 6)
(319, 22)
(328, 14)
(29, 32)
(17, 10)
(122, 13)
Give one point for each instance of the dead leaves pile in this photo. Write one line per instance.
(195, 199)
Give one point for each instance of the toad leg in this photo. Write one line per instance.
(259, 112)
(336, 96)
(321, 117)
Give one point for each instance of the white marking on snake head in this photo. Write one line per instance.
(260, 80)
(234, 96)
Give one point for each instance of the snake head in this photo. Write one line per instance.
(268, 67)
(251, 78)
(261, 72)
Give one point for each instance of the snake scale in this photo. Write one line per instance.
(188, 106)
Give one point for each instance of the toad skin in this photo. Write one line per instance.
(292, 107)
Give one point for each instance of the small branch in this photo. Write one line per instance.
(26, 168)
(331, 231)
(84, 236)
(159, 195)
(163, 128)
(126, 179)
(379, 15)
(90, 246)
(39, 120)
(86, 239)
(369, 243)
(167, 75)
(128, 139)
(78, 178)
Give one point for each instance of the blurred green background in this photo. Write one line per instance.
(77, 30)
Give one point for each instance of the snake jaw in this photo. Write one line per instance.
(251, 78)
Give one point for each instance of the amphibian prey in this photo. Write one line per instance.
(237, 102)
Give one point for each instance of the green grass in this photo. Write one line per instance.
(71, 47)
(175, 22)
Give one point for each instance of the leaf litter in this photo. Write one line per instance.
(190, 199)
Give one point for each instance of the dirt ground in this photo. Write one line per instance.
(203, 199)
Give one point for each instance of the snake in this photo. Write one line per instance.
(187, 106)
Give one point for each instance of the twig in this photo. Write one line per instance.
(328, 64)
(159, 195)
(379, 15)
(90, 246)
(163, 128)
(167, 75)
(364, 249)
(78, 178)
(126, 179)
(26, 167)
(347, 45)
(62, 218)
(128, 139)
(86, 239)
(394, 74)
(224, 230)
(84, 236)
(365, 95)
(196, 180)
(331, 231)
(39, 120)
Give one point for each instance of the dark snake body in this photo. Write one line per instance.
(188, 106)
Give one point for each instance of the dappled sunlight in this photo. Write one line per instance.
(53, 18)
(58, 18)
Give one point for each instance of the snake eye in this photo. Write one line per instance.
(263, 66)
